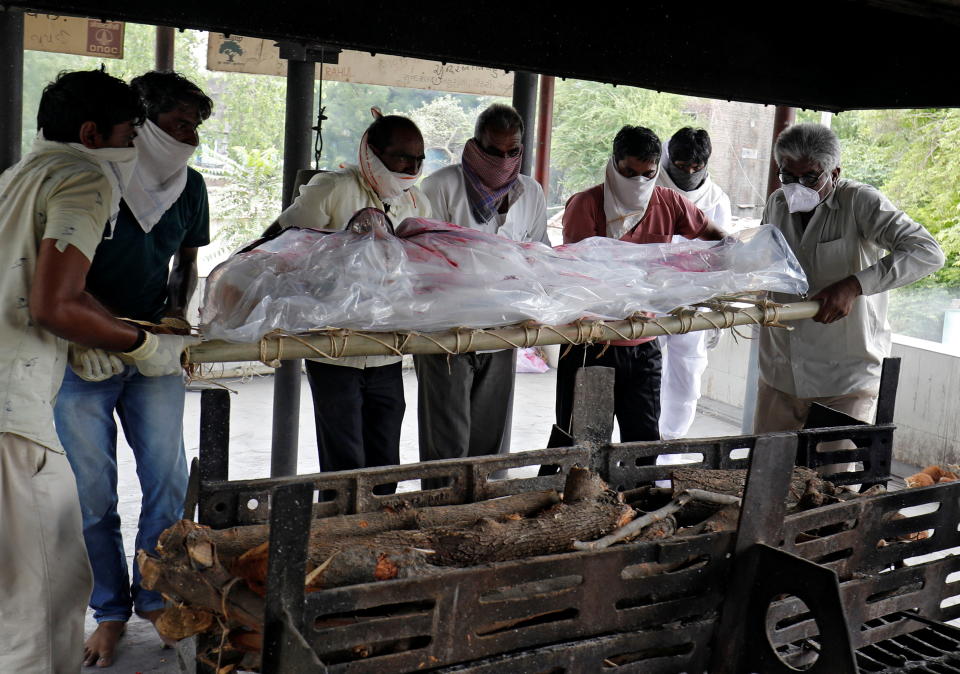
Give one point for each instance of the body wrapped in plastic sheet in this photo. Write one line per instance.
(432, 275)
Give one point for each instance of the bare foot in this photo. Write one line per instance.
(153, 616)
(98, 648)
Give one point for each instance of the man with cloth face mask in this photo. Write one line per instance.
(465, 401)
(684, 170)
(629, 206)
(853, 245)
(57, 203)
(358, 401)
(163, 216)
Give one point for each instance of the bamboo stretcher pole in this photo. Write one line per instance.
(338, 343)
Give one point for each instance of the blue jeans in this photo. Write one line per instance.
(151, 411)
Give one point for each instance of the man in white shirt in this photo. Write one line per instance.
(358, 400)
(56, 202)
(854, 245)
(465, 402)
(684, 163)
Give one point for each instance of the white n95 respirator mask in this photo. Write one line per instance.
(800, 199)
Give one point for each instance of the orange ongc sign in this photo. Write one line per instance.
(72, 35)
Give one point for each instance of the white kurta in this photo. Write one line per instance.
(848, 234)
(685, 356)
(328, 201)
(525, 220)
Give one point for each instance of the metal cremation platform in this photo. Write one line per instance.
(844, 584)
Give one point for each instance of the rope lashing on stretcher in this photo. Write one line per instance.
(719, 312)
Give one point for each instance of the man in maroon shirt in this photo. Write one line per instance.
(629, 206)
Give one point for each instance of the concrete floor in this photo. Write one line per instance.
(140, 650)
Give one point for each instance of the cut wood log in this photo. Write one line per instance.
(179, 622)
(233, 542)
(634, 528)
(733, 481)
(932, 475)
(725, 519)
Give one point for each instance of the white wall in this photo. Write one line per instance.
(928, 397)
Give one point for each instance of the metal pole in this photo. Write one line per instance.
(297, 148)
(525, 102)
(11, 85)
(544, 132)
(165, 49)
(782, 118)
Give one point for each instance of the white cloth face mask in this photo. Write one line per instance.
(625, 199)
(800, 198)
(160, 175)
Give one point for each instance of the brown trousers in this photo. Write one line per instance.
(779, 411)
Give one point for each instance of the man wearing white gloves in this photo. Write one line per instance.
(163, 216)
(57, 201)
(684, 170)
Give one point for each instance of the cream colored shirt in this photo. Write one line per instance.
(328, 201)
(855, 231)
(58, 193)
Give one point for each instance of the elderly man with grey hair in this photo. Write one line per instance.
(465, 403)
(854, 245)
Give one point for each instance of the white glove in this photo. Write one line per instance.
(159, 355)
(92, 364)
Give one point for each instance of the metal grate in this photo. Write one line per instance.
(934, 648)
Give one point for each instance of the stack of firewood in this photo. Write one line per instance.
(932, 475)
(216, 579)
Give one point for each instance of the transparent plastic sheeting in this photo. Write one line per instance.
(433, 276)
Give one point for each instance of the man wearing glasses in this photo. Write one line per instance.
(358, 400)
(628, 205)
(684, 169)
(854, 245)
(465, 403)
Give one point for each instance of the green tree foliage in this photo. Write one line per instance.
(250, 200)
(587, 115)
(446, 126)
(922, 149)
(438, 113)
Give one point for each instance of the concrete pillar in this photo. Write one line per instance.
(297, 151)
